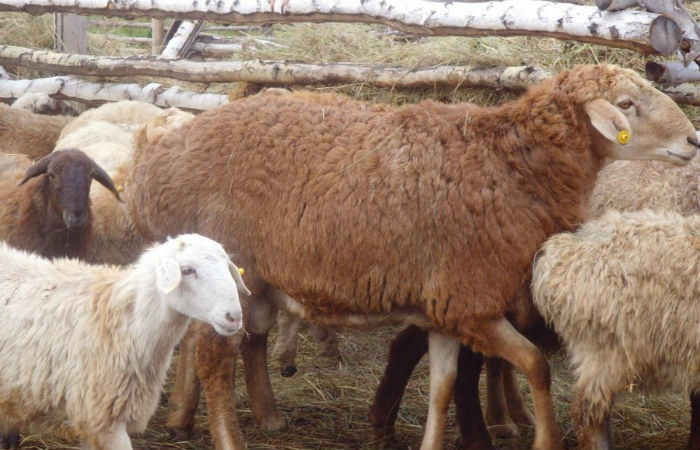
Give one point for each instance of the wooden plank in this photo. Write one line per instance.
(70, 33)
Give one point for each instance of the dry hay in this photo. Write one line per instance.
(326, 403)
(326, 406)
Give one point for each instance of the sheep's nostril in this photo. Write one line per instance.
(694, 141)
(232, 318)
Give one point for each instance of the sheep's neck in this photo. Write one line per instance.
(152, 328)
(554, 165)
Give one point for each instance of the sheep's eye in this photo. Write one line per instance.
(625, 104)
(188, 271)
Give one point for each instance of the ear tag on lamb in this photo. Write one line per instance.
(168, 274)
(623, 137)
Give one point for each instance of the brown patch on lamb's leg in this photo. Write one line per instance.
(216, 358)
(262, 403)
(496, 415)
(519, 413)
(184, 397)
(591, 414)
(466, 395)
(499, 338)
(407, 349)
(328, 338)
(9, 440)
(285, 348)
(443, 352)
(694, 439)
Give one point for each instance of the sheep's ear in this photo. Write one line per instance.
(168, 274)
(607, 119)
(36, 169)
(236, 273)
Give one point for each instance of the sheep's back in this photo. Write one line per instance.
(624, 291)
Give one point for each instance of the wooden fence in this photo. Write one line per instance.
(641, 31)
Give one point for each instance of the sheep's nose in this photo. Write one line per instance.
(235, 318)
(694, 141)
(74, 220)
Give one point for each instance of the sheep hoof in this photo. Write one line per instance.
(273, 424)
(504, 430)
(180, 434)
(288, 371)
(9, 441)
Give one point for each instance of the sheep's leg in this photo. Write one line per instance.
(328, 338)
(216, 358)
(443, 352)
(285, 348)
(591, 414)
(469, 418)
(496, 415)
(519, 413)
(694, 439)
(262, 403)
(9, 440)
(407, 349)
(184, 397)
(116, 438)
(501, 339)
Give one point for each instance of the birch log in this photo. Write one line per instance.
(69, 88)
(183, 39)
(673, 72)
(686, 93)
(271, 72)
(625, 29)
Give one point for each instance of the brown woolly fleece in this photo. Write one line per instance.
(429, 208)
(27, 133)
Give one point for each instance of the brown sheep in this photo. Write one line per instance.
(621, 185)
(368, 217)
(30, 134)
(45, 207)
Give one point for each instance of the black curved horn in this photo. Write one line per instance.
(36, 169)
(104, 179)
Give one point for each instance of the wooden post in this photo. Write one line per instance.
(157, 36)
(70, 33)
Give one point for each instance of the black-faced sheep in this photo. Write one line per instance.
(30, 134)
(368, 217)
(85, 349)
(623, 292)
(45, 207)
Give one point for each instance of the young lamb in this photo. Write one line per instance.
(30, 134)
(44, 207)
(623, 292)
(367, 217)
(85, 349)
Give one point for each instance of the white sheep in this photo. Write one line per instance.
(84, 349)
(623, 293)
(42, 103)
(106, 133)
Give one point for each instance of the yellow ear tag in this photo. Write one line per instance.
(120, 188)
(241, 271)
(623, 137)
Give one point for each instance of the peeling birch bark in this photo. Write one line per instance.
(69, 88)
(271, 72)
(182, 41)
(625, 29)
